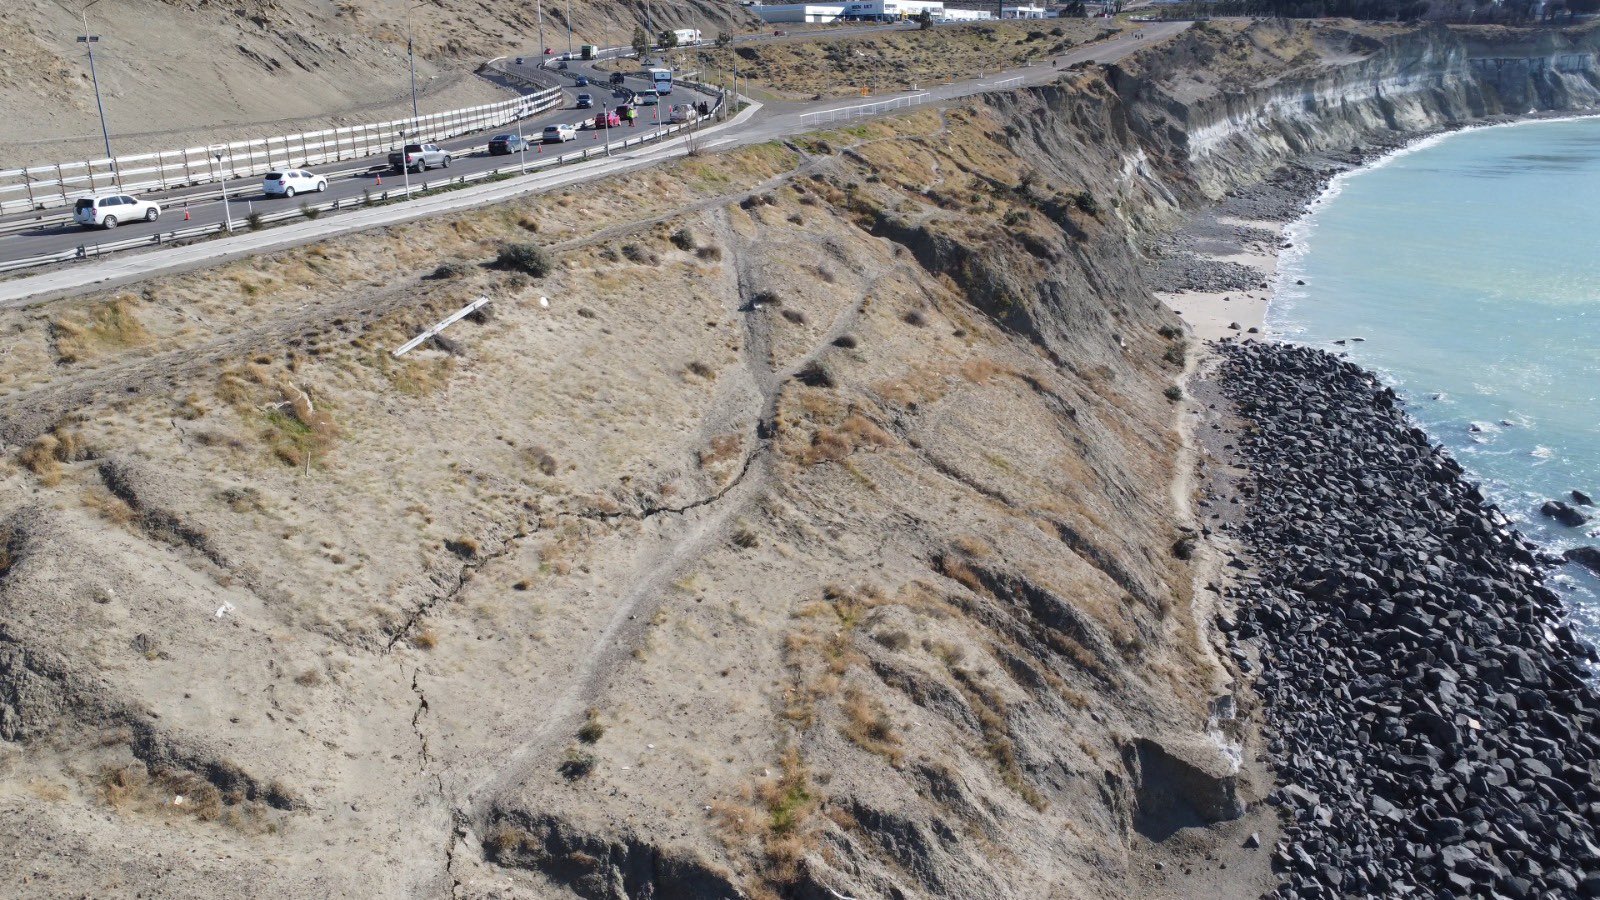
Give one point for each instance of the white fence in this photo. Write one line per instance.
(44, 187)
(862, 109)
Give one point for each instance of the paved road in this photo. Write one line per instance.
(371, 175)
(775, 121)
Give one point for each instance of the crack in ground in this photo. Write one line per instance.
(458, 818)
(462, 579)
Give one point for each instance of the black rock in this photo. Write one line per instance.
(1584, 556)
(1563, 513)
(1582, 499)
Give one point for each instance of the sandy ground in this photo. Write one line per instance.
(1231, 313)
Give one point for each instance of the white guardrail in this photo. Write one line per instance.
(61, 184)
(599, 148)
(862, 109)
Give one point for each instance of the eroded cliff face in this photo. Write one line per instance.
(1236, 101)
(826, 533)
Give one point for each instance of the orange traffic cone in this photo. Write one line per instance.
(186, 212)
(380, 178)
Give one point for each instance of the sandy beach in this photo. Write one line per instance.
(1238, 307)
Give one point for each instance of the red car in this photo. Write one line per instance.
(608, 119)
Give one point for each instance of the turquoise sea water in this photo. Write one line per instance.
(1471, 266)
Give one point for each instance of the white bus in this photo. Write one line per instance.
(687, 36)
(662, 79)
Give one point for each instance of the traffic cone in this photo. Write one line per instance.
(380, 179)
(186, 212)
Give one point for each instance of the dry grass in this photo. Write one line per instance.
(868, 726)
(135, 790)
(835, 444)
(45, 455)
(108, 326)
(894, 60)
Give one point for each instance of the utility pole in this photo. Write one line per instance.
(89, 40)
(539, 5)
(227, 212)
(569, 29)
(405, 170)
(411, 57)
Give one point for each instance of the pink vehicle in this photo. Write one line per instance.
(608, 119)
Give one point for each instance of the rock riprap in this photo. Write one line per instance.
(1432, 723)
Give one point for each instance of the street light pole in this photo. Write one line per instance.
(539, 5)
(411, 58)
(405, 170)
(569, 29)
(89, 40)
(227, 212)
(605, 116)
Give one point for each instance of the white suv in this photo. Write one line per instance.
(112, 210)
(293, 181)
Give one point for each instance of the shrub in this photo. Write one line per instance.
(541, 460)
(463, 546)
(1170, 332)
(1174, 393)
(683, 239)
(893, 640)
(578, 764)
(591, 731)
(765, 298)
(452, 269)
(639, 254)
(309, 211)
(528, 259)
(254, 221)
(1086, 202)
(847, 341)
(701, 369)
(916, 317)
(745, 538)
(795, 316)
(709, 253)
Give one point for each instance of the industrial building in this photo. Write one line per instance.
(878, 11)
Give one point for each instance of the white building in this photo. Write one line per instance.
(1022, 12)
(882, 10)
(798, 12)
(966, 15)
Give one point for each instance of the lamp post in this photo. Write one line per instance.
(88, 41)
(411, 60)
(569, 29)
(227, 212)
(539, 6)
(405, 169)
(522, 148)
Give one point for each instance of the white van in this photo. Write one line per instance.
(646, 98)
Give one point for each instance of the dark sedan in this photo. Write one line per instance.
(502, 144)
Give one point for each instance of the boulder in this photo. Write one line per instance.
(1584, 556)
(1563, 513)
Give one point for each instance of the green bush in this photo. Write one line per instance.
(254, 221)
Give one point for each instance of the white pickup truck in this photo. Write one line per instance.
(420, 158)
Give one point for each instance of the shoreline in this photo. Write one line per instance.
(1221, 268)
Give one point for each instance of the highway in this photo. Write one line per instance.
(350, 180)
(773, 122)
